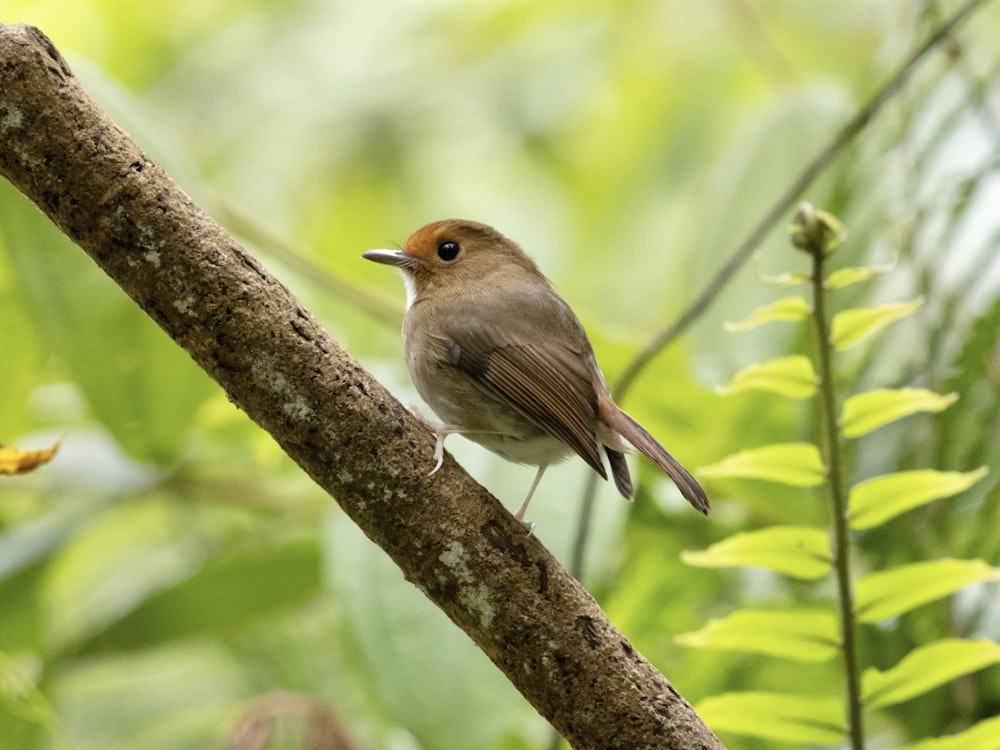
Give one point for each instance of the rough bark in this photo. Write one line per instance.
(450, 537)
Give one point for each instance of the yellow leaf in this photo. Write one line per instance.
(868, 411)
(803, 635)
(787, 308)
(784, 279)
(898, 590)
(876, 500)
(788, 376)
(795, 464)
(925, 668)
(847, 276)
(14, 461)
(798, 551)
(796, 718)
(980, 736)
(850, 327)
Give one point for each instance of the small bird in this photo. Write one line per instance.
(503, 360)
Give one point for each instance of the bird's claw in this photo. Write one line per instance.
(438, 452)
(441, 431)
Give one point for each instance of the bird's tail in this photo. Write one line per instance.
(648, 445)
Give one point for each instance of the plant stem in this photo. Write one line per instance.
(843, 138)
(817, 245)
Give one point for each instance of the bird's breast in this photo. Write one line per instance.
(456, 398)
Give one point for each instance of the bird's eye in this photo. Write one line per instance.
(448, 250)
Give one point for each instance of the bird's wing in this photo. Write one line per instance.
(525, 366)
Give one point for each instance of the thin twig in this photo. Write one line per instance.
(745, 249)
(250, 229)
(788, 199)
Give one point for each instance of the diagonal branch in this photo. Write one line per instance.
(447, 534)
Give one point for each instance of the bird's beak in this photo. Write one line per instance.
(396, 258)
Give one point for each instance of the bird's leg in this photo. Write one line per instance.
(519, 513)
(441, 431)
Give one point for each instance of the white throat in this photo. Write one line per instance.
(411, 288)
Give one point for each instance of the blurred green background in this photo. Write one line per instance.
(171, 580)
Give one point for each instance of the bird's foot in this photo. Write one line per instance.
(438, 451)
(440, 430)
(519, 513)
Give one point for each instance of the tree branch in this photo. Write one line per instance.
(450, 538)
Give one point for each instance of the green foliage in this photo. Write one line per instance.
(242, 586)
(796, 464)
(778, 717)
(983, 736)
(925, 668)
(865, 412)
(26, 710)
(389, 629)
(893, 592)
(786, 308)
(171, 565)
(804, 635)
(879, 499)
(851, 327)
(809, 553)
(84, 318)
(797, 551)
(846, 276)
(791, 376)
